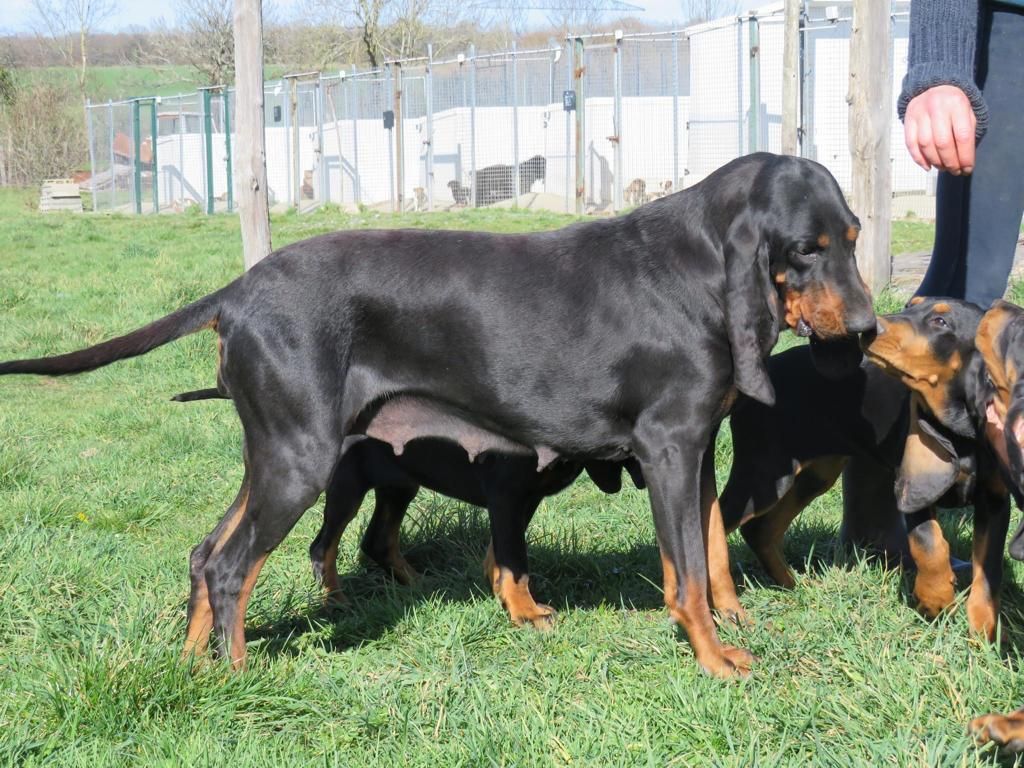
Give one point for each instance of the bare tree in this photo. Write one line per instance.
(314, 46)
(43, 133)
(695, 11)
(365, 16)
(396, 29)
(414, 23)
(202, 36)
(506, 20)
(63, 23)
(575, 17)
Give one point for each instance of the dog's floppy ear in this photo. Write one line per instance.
(930, 464)
(751, 308)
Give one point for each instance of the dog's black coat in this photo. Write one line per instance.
(604, 340)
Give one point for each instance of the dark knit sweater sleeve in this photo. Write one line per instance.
(943, 38)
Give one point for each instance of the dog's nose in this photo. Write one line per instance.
(862, 322)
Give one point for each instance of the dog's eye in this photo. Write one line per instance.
(939, 322)
(804, 256)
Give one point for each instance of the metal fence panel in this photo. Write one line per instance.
(659, 111)
(452, 169)
(654, 109)
(716, 124)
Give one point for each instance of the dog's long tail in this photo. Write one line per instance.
(200, 394)
(189, 319)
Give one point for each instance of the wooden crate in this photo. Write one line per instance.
(60, 195)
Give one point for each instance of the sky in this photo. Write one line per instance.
(16, 15)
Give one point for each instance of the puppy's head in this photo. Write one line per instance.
(929, 346)
(1000, 340)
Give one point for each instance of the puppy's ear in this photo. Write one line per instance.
(637, 475)
(607, 475)
(930, 465)
(751, 308)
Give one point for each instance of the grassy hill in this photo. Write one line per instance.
(126, 81)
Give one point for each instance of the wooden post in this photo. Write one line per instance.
(754, 122)
(790, 77)
(251, 157)
(870, 102)
(337, 136)
(293, 110)
(578, 71)
(399, 137)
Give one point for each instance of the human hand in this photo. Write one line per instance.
(939, 130)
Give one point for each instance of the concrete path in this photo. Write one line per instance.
(908, 268)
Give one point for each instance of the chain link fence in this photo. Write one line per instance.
(594, 123)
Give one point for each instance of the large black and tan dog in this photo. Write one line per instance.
(916, 412)
(575, 343)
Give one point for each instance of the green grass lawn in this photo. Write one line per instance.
(105, 486)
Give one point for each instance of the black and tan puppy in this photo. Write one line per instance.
(507, 484)
(1000, 341)
(571, 345)
(916, 411)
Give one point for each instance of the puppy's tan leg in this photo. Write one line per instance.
(766, 532)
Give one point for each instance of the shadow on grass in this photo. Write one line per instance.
(447, 547)
(375, 604)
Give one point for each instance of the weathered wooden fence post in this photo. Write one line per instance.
(251, 166)
(870, 100)
(791, 78)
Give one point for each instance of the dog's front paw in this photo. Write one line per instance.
(1007, 731)
(727, 662)
(539, 615)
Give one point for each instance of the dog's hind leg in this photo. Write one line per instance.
(200, 613)
(765, 533)
(505, 565)
(286, 477)
(345, 494)
(380, 542)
